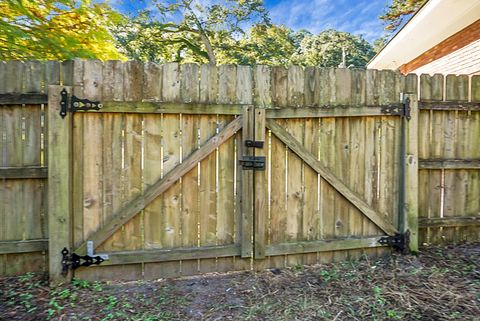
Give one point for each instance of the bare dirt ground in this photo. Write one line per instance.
(439, 284)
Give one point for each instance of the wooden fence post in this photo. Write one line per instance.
(247, 183)
(410, 209)
(260, 179)
(59, 184)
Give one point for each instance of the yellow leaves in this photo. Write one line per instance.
(56, 29)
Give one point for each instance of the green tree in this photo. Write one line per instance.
(398, 11)
(56, 29)
(201, 26)
(264, 44)
(327, 49)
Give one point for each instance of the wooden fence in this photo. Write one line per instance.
(154, 178)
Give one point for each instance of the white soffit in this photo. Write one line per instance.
(434, 22)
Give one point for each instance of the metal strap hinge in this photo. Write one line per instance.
(399, 241)
(75, 104)
(74, 261)
(402, 109)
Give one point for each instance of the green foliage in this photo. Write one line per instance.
(326, 50)
(57, 29)
(264, 44)
(201, 32)
(398, 11)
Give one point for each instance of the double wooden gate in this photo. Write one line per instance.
(167, 188)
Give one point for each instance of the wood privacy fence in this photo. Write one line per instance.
(157, 179)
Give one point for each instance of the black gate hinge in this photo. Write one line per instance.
(403, 109)
(399, 241)
(74, 261)
(76, 104)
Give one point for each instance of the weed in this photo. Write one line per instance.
(25, 300)
(54, 307)
(82, 284)
(392, 314)
(329, 275)
(26, 277)
(297, 268)
(111, 302)
(97, 286)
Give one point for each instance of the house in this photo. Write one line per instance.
(443, 36)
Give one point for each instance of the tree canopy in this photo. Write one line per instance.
(57, 29)
(328, 47)
(216, 32)
(398, 11)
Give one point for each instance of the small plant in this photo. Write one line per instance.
(25, 300)
(97, 286)
(26, 277)
(329, 275)
(82, 284)
(392, 314)
(54, 307)
(112, 302)
(297, 268)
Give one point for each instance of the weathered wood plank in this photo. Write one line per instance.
(247, 185)
(190, 92)
(451, 221)
(150, 193)
(260, 186)
(93, 152)
(311, 219)
(449, 163)
(295, 146)
(154, 107)
(328, 111)
(7, 247)
(226, 170)
(411, 173)
(448, 105)
(59, 184)
(175, 254)
(132, 232)
(23, 172)
(152, 171)
(278, 171)
(322, 246)
(295, 179)
(171, 144)
(78, 156)
(23, 98)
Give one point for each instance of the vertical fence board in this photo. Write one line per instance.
(262, 100)
(208, 168)
(93, 152)
(277, 205)
(59, 185)
(295, 175)
(190, 92)
(226, 168)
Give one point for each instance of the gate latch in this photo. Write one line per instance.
(74, 261)
(254, 143)
(399, 241)
(76, 104)
(253, 163)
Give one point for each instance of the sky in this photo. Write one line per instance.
(359, 17)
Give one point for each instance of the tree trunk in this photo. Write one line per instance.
(208, 46)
